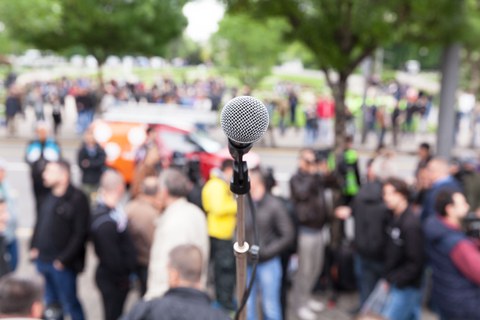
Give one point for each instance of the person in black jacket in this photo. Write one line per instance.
(113, 245)
(371, 219)
(308, 198)
(185, 300)
(404, 254)
(91, 160)
(275, 235)
(59, 237)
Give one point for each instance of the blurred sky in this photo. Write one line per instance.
(203, 17)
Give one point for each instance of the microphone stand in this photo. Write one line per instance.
(240, 185)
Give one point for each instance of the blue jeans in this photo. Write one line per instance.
(61, 288)
(403, 304)
(84, 119)
(12, 250)
(268, 280)
(367, 272)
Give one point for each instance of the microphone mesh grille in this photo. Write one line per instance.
(244, 119)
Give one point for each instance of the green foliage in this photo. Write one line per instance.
(99, 27)
(342, 33)
(247, 48)
(185, 48)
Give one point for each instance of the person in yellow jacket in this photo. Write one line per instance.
(221, 208)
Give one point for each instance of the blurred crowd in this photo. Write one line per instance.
(389, 113)
(414, 243)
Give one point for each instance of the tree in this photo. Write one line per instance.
(100, 27)
(342, 33)
(247, 48)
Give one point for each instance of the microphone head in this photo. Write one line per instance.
(244, 120)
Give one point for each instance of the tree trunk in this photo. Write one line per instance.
(339, 91)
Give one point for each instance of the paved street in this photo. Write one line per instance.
(282, 159)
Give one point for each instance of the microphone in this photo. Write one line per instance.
(244, 121)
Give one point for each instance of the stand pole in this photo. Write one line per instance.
(241, 248)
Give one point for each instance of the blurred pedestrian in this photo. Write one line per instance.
(20, 298)
(371, 219)
(40, 151)
(91, 161)
(113, 245)
(4, 258)
(348, 170)
(404, 254)
(306, 190)
(186, 298)
(147, 161)
(439, 175)
(11, 227)
(85, 107)
(454, 258)
(275, 235)
(181, 222)
(142, 212)
(221, 209)
(13, 107)
(59, 238)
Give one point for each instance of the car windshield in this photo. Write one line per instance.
(205, 142)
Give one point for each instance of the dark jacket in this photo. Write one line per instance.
(177, 304)
(13, 105)
(371, 219)
(92, 171)
(113, 244)
(307, 193)
(274, 226)
(455, 295)
(404, 255)
(68, 229)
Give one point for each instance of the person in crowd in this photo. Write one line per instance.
(147, 161)
(20, 298)
(181, 222)
(275, 234)
(142, 213)
(59, 238)
(35, 99)
(404, 255)
(439, 175)
(471, 184)
(113, 245)
(221, 208)
(91, 160)
(348, 170)
(311, 126)
(85, 103)
(4, 257)
(11, 243)
(371, 220)
(424, 154)
(325, 116)
(293, 102)
(382, 124)
(185, 298)
(453, 257)
(13, 107)
(40, 151)
(306, 190)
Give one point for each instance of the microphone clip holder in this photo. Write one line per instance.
(240, 183)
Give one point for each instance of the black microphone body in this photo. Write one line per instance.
(244, 120)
